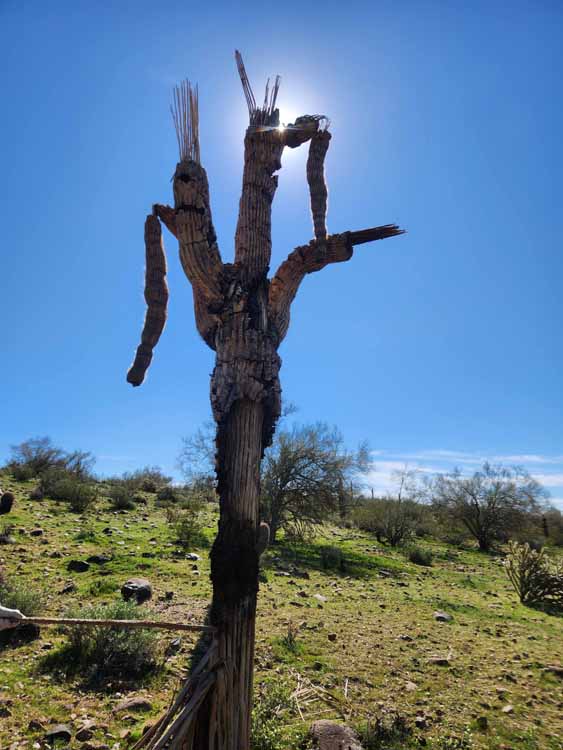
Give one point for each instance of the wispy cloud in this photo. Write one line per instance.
(547, 469)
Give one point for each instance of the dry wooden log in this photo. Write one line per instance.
(123, 624)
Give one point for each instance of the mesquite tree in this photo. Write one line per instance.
(243, 315)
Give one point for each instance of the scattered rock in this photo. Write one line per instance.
(68, 588)
(331, 637)
(411, 686)
(442, 616)
(327, 735)
(78, 566)
(6, 503)
(320, 598)
(169, 595)
(35, 726)
(56, 555)
(58, 733)
(508, 709)
(98, 559)
(174, 646)
(135, 703)
(439, 661)
(36, 532)
(555, 669)
(36, 494)
(84, 734)
(139, 589)
(482, 723)
(4, 711)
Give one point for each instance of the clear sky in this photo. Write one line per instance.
(440, 346)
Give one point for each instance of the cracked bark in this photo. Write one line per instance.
(243, 316)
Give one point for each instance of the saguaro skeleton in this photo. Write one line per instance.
(243, 316)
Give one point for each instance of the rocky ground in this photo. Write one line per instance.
(444, 653)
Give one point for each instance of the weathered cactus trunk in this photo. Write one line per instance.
(243, 316)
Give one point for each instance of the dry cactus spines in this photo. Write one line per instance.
(156, 296)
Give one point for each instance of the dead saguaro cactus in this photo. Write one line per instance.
(242, 315)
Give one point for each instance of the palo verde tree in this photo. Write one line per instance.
(243, 315)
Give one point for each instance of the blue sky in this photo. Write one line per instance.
(446, 118)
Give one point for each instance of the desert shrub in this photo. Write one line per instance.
(102, 652)
(120, 497)
(34, 457)
(332, 558)
(289, 638)
(384, 732)
(536, 579)
(187, 524)
(22, 472)
(58, 484)
(17, 596)
(170, 495)
(390, 519)
(273, 706)
(420, 556)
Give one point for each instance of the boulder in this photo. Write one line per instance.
(326, 735)
(139, 589)
(6, 503)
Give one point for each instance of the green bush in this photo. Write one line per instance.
(105, 652)
(170, 495)
(17, 596)
(187, 524)
(121, 498)
(273, 707)
(332, 558)
(420, 556)
(22, 472)
(61, 484)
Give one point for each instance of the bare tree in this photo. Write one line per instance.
(491, 503)
(243, 316)
(306, 476)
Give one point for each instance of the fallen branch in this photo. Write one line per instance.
(139, 624)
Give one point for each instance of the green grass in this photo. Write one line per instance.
(366, 639)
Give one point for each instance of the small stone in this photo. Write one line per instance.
(98, 559)
(411, 686)
(439, 661)
(482, 723)
(331, 637)
(36, 532)
(84, 734)
(68, 588)
(320, 598)
(442, 616)
(508, 709)
(135, 703)
(35, 726)
(78, 566)
(327, 735)
(139, 589)
(58, 733)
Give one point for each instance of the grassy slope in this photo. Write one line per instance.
(380, 610)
